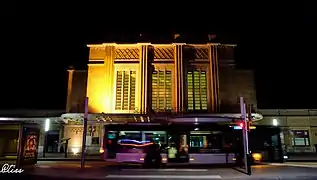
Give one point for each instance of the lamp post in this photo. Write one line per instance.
(46, 130)
(83, 147)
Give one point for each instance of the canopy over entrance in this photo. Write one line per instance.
(125, 118)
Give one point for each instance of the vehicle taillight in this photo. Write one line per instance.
(101, 150)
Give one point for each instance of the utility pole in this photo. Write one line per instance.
(245, 136)
(83, 147)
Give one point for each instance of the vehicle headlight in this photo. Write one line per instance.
(257, 156)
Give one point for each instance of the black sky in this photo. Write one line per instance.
(36, 54)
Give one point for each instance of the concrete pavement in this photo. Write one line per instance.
(72, 164)
(70, 157)
(50, 170)
(296, 164)
(116, 172)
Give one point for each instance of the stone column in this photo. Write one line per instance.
(41, 142)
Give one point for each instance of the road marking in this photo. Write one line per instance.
(164, 177)
(294, 165)
(168, 170)
(43, 166)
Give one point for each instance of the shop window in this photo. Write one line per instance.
(300, 138)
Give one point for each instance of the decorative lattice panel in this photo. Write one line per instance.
(164, 53)
(201, 53)
(76, 130)
(127, 53)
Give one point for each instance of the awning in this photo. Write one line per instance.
(128, 118)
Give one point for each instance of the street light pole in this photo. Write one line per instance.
(245, 136)
(249, 170)
(83, 147)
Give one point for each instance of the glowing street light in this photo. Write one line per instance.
(274, 122)
(46, 129)
(47, 125)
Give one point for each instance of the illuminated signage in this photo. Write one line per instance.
(239, 127)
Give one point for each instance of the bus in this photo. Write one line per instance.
(203, 143)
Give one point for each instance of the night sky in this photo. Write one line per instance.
(35, 54)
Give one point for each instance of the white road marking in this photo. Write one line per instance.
(294, 165)
(168, 170)
(164, 177)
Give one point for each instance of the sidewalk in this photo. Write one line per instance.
(302, 157)
(258, 172)
(72, 165)
(296, 164)
(70, 157)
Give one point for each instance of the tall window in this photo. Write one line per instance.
(197, 90)
(125, 93)
(300, 138)
(161, 90)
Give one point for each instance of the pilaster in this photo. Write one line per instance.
(69, 90)
(179, 77)
(144, 69)
(214, 78)
(109, 77)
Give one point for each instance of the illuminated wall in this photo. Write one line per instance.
(137, 78)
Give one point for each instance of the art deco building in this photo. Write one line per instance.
(141, 82)
(150, 81)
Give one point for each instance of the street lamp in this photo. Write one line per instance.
(47, 125)
(274, 122)
(46, 129)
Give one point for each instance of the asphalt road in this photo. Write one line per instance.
(258, 172)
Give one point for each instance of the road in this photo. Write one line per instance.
(72, 171)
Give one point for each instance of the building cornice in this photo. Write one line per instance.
(150, 44)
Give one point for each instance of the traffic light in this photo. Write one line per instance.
(241, 124)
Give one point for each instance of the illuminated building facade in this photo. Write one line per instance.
(142, 81)
(146, 78)
(153, 81)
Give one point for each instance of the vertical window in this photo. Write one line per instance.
(125, 92)
(300, 138)
(161, 90)
(197, 90)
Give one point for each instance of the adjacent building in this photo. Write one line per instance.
(299, 127)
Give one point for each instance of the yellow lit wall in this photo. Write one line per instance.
(96, 89)
(100, 79)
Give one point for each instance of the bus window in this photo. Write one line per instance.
(205, 143)
(132, 135)
(156, 137)
(133, 146)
